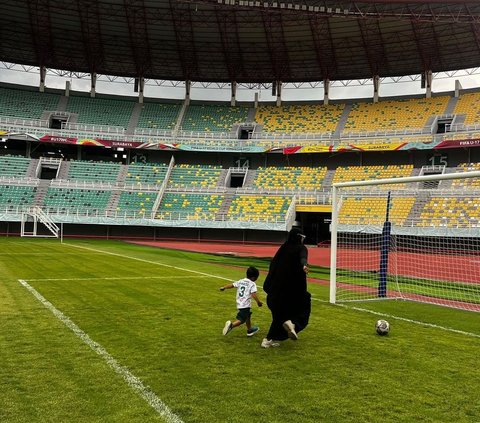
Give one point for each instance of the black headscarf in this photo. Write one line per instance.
(286, 279)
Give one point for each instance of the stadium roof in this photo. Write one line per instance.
(242, 40)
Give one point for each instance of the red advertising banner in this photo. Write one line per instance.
(458, 144)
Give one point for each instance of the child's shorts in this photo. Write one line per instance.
(243, 314)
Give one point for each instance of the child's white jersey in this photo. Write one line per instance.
(245, 288)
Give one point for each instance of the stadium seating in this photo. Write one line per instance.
(65, 199)
(365, 173)
(261, 208)
(26, 104)
(15, 166)
(159, 115)
(189, 206)
(306, 178)
(93, 171)
(469, 104)
(394, 114)
(299, 118)
(15, 195)
(136, 201)
(451, 212)
(152, 173)
(208, 118)
(101, 111)
(372, 210)
(467, 182)
(184, 175)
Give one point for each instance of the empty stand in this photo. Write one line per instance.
(392, 115)
(13, 196)
(184, 175)
(93, 171)
(150, 174)
(299, 118)
(26, 104)
(262, 208)
(469, 104)
(306, 178)
(364, 173)
(137, 201)
(69, 199)
(101, 111)
(451, 212)
(364, 210)
(159, 115)
(210, 118)
(191, 206)
(15, 166)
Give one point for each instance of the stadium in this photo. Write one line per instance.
(165, 146)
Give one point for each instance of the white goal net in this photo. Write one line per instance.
(414, 238)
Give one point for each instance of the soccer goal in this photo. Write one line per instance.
(415, 238)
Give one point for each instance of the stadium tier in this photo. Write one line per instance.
(299, 118)
(189, 206)
(68, 199)
(15, 166)
(26, 104)
(159, 116)
(451, 212)
(14, 196)
(469, 104)
(184, 175)
(259, 207)
(307, 178)
(364, 173)
(197, 123)
(150, 174)
(136, 201)
(101, 111)
(370, 210)
(93, 171)
(217, 118)
(394, 114)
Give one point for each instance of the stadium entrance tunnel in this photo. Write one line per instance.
(316, 226)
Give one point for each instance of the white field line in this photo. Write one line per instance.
(416, 322)
(117, 278)
(134, 382)
(404, 319)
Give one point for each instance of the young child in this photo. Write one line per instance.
(246, 289)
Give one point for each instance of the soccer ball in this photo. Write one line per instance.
(382, 327)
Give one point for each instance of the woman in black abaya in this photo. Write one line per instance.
(286, 288)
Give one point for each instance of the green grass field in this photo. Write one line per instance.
(105, 331)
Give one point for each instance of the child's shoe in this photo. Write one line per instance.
(228, 327)
(268, 343)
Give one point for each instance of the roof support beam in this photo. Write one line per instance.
(373, 45)
(324, 48)
(139, 40)
(182, 22)
(39, 14)
(231, 48)
(277, 47)
(91, 33)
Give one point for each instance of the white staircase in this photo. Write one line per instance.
(35, 215)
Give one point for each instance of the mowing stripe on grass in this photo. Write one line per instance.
(148, 261)
(134, 382)
(404, 319)
(316, 299)
(117, 278)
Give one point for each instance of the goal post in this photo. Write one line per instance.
(414, 238)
